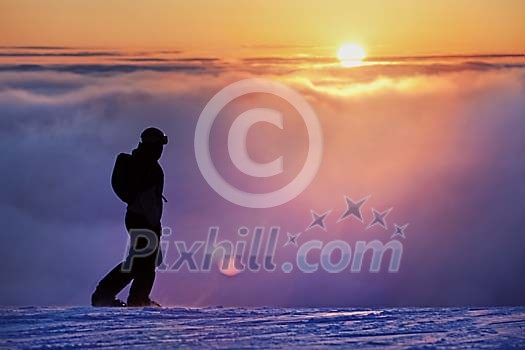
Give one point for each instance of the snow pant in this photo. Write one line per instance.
(143, 257)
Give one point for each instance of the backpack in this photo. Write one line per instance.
(120, 178)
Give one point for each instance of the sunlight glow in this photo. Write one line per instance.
(351, 55)
(231, 270)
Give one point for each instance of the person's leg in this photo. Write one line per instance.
(143, 267)
(143, 279)
(110, 286)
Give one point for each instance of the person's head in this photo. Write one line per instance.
(152, 142)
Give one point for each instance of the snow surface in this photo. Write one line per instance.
(261, 328)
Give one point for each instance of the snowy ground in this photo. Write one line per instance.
(477, 328)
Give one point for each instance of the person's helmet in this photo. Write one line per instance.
(153, 135)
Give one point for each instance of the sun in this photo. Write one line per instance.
(350, 54)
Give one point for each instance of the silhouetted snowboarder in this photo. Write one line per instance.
(138, 180)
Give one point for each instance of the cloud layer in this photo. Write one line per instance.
(441, 142)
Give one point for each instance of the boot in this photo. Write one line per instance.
(142, 303)
(101, 301)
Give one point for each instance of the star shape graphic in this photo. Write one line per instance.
(353, 208)
(318, 220)
(399, 230)
(379, 218)
(292, 239)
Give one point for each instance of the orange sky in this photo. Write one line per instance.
(406, 27)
